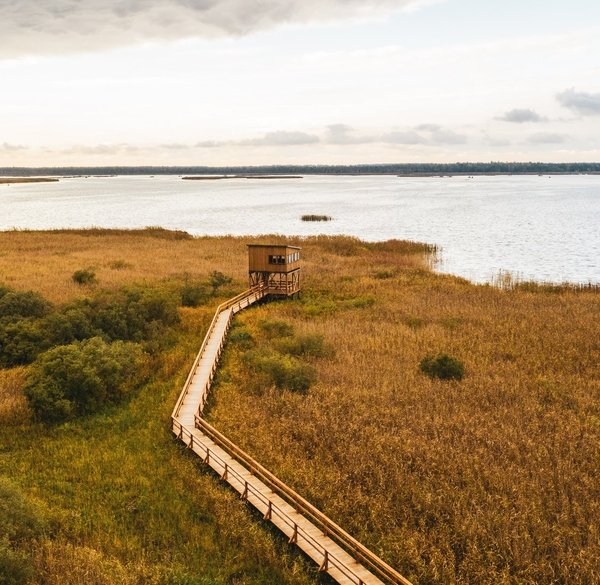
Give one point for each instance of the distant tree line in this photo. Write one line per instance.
(362, 169)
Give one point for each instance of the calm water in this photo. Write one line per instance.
(536, 227)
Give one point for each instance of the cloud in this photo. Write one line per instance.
(404, 137)
(9, 148)
(282, 138)
(580, 102)
(209, 144)
(101, 149)
(344, 134)
(442, 136)
(547, 138)
(521, 115)
(58, 26)
(428, 127)
(175, 146)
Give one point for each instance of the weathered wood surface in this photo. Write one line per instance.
(335, 551)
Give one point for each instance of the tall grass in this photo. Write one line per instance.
(489, 479)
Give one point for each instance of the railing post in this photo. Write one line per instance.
(191, 443)
(325, 564)
(224, 476)
(207, 458)
(269, 511)
(294, 537)
(245, 494)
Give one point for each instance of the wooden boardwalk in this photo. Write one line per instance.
(335, 551)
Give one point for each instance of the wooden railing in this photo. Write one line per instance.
(238, 302)
(329, 528)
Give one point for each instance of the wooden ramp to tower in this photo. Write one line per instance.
(275, 268)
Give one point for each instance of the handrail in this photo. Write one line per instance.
(327, 525)
(315, 516)
(273, 509)
(224, 305)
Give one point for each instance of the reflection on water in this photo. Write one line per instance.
(543, 228)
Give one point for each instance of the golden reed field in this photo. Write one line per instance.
(492, 479)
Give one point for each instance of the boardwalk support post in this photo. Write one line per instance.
(325, 564)
(269, 511)
(294, 537)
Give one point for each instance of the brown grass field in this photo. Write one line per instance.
(493, 479)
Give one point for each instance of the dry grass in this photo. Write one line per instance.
(14, 180)
(493, 479)
(490, 480)
(13, 407)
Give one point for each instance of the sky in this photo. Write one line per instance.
(248, 82)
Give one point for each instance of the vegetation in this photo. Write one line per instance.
(316, 217)
(492, 480)
(85, 276)
(465, 168)
(81, 378)
(442, 366)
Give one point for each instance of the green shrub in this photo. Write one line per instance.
(21, 519)
(16, 567)
(84, 276)
(21, 342)
(304, 345)
(442, 366)
(240, 336)
(16, 305)
(217, 280)
(74, 323)
(132, 314)
(81, 378)
(283, 371)
(276, 328)
(193, 294)
(361, 302)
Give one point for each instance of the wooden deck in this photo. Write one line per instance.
(335, 551)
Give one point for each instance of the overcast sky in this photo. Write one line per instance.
(103, 82)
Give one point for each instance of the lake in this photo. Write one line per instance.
(536, 227)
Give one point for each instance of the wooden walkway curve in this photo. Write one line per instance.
(334, 550)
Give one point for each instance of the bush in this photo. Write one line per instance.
(217, 279)
(132, 315)
(72, 324)
(304, 345)
(16, 305)
(84, 276)
(81, 378)
(281, 370)
(442, 366)
(21, 342)
(21, 519)
(193, 294)
(275, 328)
(16, 567)
(240, 336)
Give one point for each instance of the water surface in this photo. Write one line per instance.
(539, 227)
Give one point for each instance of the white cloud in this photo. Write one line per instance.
(282, 138)
(547, 138)
(9, 148)
(408, 137)
(344, 134)
(521, 115)
(57, 26)
(580, 102)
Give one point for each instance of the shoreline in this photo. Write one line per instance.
(19, 180)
